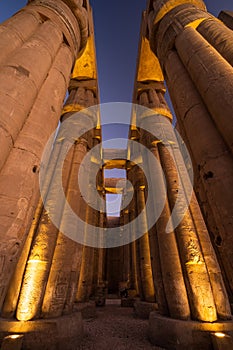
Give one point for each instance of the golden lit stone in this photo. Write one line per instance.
(85, 66)
(149, 66)
(170, 5)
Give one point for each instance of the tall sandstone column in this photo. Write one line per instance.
(195, 51)
(41, 43)
(186, 271)
(46, 282)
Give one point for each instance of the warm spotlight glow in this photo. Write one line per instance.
(219, 335)
(14, 336)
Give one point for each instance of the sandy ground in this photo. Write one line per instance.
(115, 328)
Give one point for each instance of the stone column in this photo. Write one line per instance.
(190, 242)
(218, 77)
(195, 51)
(143, 272)
(100, 265)
(67, 260)
(219, 36)
(227, 18)
(132, 215)
(65, 267)
(135, 249)
(185, 253)
(34, 80)
(126, 250)
(148, 292)
(208, 153)
(87, 266)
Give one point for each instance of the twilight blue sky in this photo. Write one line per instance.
(117, 25)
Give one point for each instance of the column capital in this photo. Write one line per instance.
(70, 13)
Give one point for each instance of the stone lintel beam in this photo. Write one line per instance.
(114, 158)
(113, 153)
(114, 185)
(115, 164)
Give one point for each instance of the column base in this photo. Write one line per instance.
(142, 309)
(65, 332)
(184, 335)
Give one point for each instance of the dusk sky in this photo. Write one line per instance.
(117, 25)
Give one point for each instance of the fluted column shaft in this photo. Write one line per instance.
(34, 74)
(208, 155)
(146, 277)
(195, 255)
(197, 57)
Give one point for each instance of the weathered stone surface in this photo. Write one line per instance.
(30, 93)
(213, 165)
(55, 334)
(208, 82)
(219, 37)
(16, 30)
(143, 309)
(176, 334)
(13, 342)
(176, 28)
(227, 18)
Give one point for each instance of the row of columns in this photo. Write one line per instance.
(186, 272)
(39, 52)
(195, 52)
(52, 271)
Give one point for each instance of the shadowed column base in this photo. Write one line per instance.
(60, 333)
(173, 334)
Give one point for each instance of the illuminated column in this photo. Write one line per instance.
(34, 78)
(207, 155)
(148, 292)
(144, 273)
(54, 260)
(195, 258)
(73, 263)
(132, 247)
(11, 299)
(100, 253)
(66, 261)
(208, 82)
(42, 250)
(126, 256)
(197, 58)
(87, 266)
(219, 36)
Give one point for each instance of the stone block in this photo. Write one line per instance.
(12, 342)
(184, 335)
(60, 333)
(222, 341)
(142, 309)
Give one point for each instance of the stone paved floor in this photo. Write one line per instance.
(115, 328)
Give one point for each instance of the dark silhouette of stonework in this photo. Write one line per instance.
(182, 280)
